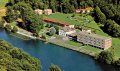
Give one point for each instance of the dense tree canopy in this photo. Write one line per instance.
(31, 21)
(14, 59)
(112, 28)
(106, 57)
(103, 10)
(54, 68)
(100, 17)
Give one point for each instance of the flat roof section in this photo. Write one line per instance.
(94, 35)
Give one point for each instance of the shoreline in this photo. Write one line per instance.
(77, 49)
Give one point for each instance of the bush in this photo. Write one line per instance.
(2, 22)
(54, 68)
(106, 57)
(43, 36)
(117, 63)
(52, 31)
(1, 25)
(8, 27)
(15, 29)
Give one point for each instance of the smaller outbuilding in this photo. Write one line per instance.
(87, 30)
(84, 10)
(38, 11)
(48, 11)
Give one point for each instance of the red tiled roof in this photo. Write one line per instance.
(84, 9)
(55, 21)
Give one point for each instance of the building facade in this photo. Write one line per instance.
(84, 10)
(94, 40)
(39, 11)
(48, 11)
(65, 31)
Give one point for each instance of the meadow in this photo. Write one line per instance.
(94, 27)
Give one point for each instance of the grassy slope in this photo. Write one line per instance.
(62, 17)
(2, 3)
(65, 18)
(2, 7)
(94, 26)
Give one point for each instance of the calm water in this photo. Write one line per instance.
(68, 60)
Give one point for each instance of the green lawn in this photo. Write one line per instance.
(93, 25)
(67, 18)
(2, 3)
(74, 43)
(13, 23)
(77, 20)
(116, 45)
(92, 49)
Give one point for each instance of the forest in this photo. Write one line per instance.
(14, 59)
(106, 12)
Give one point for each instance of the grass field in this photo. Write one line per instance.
(67, 18)
(80, 20)
(3, 3)
(93, 25)
(74, 43)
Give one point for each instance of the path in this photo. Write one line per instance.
(25, 33)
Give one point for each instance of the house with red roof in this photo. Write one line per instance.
(84, 10)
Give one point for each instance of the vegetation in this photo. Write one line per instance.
(112, 28)
(106, 13)
(3, 3)
(106, 57)
(52, 31)
(15, 29)
(99, 16)
(14, 59)
(8, 27)
(117, 63)
(54, 68)
(2, 22)
(31, 21)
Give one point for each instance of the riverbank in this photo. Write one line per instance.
(58, 42)
(71, 47)
(25, 33)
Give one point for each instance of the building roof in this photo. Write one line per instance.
(55, 21)
(73, 35)
(47, 9)
(67, 29)
(94, 35)
(84, 9)
(38, 10)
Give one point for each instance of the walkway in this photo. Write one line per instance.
(25, 33)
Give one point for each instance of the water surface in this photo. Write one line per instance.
(68, 60)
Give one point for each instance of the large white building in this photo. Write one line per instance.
(94, 40)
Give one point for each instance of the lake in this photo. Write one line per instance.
(49, 54)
